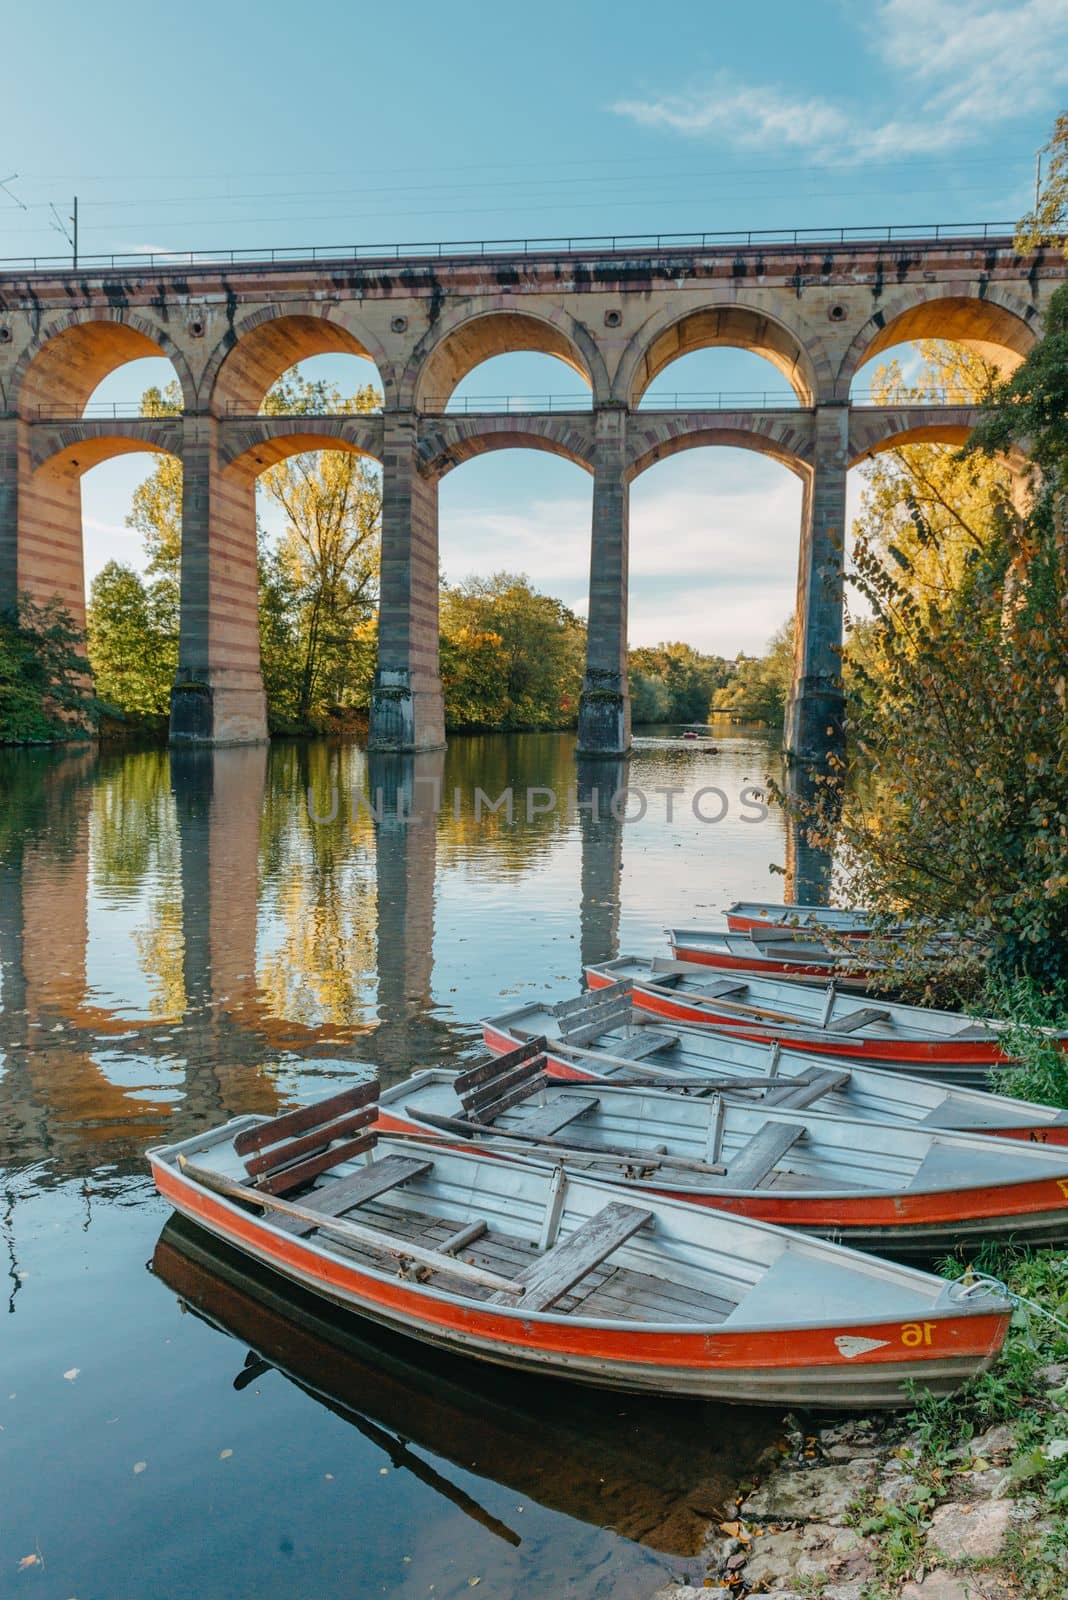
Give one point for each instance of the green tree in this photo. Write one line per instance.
(328, 552)
(526, 649)
(318, 580)
(1049, 223)
(922, 505)
(132, 637)
(45, 692)
(964, 719)
(674, 682)
(759, 686)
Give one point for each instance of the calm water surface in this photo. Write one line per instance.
(180, 941)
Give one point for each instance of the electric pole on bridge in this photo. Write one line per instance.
(61, 226)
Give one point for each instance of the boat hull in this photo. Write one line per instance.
(857, 1365)
(964, 1062)
(1053, 1135)
(769, 967)
(904, 1226)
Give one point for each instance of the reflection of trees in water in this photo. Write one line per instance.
(317, 892)
(810, 810)
(494, 763)
(268, 939)
(134, 846)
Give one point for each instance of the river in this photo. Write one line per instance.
(187, 936)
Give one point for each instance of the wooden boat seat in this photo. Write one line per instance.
(553, 1274)
(795, 1096)
(543, 1121)
(649, 1042)
(345, 1194)
(490, 1088)
(297, 1146)
(760, 1155)
(858, 1019)
(592, 999)
(582, 1026)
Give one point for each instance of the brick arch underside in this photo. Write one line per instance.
(460, 439)
(791, 447)
(479, 339)
(1000, 335)
(738, 327)
(50, 555)
(270, 347)
(61, 375)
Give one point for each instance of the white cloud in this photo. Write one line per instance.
(713, 548)
(959, 67)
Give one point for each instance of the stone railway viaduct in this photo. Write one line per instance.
(617, 317)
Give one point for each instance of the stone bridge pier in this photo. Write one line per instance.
(617, 315)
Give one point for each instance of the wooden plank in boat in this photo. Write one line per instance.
(595, 1018)
(346, 1193)
(646, 1043)
(794, 1095)
(553, 1274)
(490, 1109)
(562, 1110)
(861, 1018)
(290, 1123)
(611, 994)
(503, 1084)
(304, 1171)
(283, 1155)
(473, 1077)
(761, 1154)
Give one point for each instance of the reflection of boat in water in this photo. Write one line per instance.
(653, 1471)
(691, 741)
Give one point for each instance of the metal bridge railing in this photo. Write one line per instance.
(570, 244)
(526, 405)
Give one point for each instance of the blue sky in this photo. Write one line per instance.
(204, 126)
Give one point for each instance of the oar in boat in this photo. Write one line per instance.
(744, 1012)
(386, 1243)
(654, 1159)
(767, 1080)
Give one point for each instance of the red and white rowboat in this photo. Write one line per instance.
(532, 1267)
(746, 915)
(603, 1035)
(945, 1045)
(895, 1190)
(787, 953)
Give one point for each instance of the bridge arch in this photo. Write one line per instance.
(255, 445)
(272, 340)
(671, 335)
(995, 324)
(871, 433)
(458, 439)
(789, 443)
(469, 336)
(50, 554)
(73, 354)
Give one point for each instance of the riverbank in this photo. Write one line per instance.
(960, 1499)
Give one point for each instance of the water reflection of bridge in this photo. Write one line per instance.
(219, 843)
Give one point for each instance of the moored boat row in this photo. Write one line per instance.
(669, 1184)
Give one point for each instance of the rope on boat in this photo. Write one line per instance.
(974, 1281)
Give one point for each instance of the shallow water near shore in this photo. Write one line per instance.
(181, 940)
